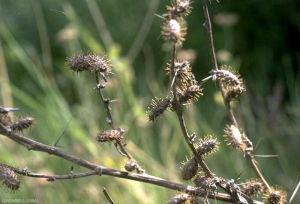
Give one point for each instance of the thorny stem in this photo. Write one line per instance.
(122, 149)
(179, 113)
(105, 103)
(101, 170)
(50, 177)
(248, 154)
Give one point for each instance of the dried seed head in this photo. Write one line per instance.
(234, 137)
(179, 199)
(110, 135)
(183, 9)
(182, 69)
(158, 107)
(99, 63)
(173, 31)
(188, 92)
(22, 124)
(275, 196)
(5, 119)
(9, 178)
(130, 165)
(189, 169)
(207, 146)
(78, 63)
(252, 187)
(204, 182)
(91, 62)
(226, 74)
(233, 92)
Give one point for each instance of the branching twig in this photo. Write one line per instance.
(101, 170)
(249, 152)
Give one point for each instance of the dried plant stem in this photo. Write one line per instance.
(101, 170)
(249, 152)
(178, 109)
(118, 144)
(105, 103)
(51, 177)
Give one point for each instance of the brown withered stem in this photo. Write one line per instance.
(118, 143)
(249, 151)
(178, 110)
(101, 170)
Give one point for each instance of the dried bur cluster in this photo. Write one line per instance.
(8, 174)
(184, 90)
(101, 67)
(9, 178)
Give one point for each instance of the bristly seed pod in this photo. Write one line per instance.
(173, 31)
(233, 92)
(182, 69)
(234, 137)
(159, 106)
(275, 196)
(189, 169)
(110, 135)
(79, 63)
(207, 146)
(252, 187)
(183, 9)
(226, 74)
(130, 165)
(9, 178)
(189, 91)
(203, 182)
(90, 62)
(5, 119)
(22, 124)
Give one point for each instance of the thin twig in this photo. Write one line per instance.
(105, 103)
(101, 170)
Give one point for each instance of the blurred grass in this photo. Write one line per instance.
(53, 94)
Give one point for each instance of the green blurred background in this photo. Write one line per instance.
(260, 39)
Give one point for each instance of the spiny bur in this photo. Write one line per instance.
(226, 74)
(188, 92)
(252, 187)
(234, 92)
(204, 182)
(183, 8)
(5, 119)
(207, 146)
(173, 31)
(110, 135)
(234, 137)
(158, 107)
(189, 169)
(275, 196)
(183, 70)
(91, 62)
(130, 165)
(9, 178)
(22, 124)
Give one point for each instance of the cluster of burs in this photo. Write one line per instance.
(184, 89)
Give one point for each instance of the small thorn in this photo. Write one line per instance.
(71, 172)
